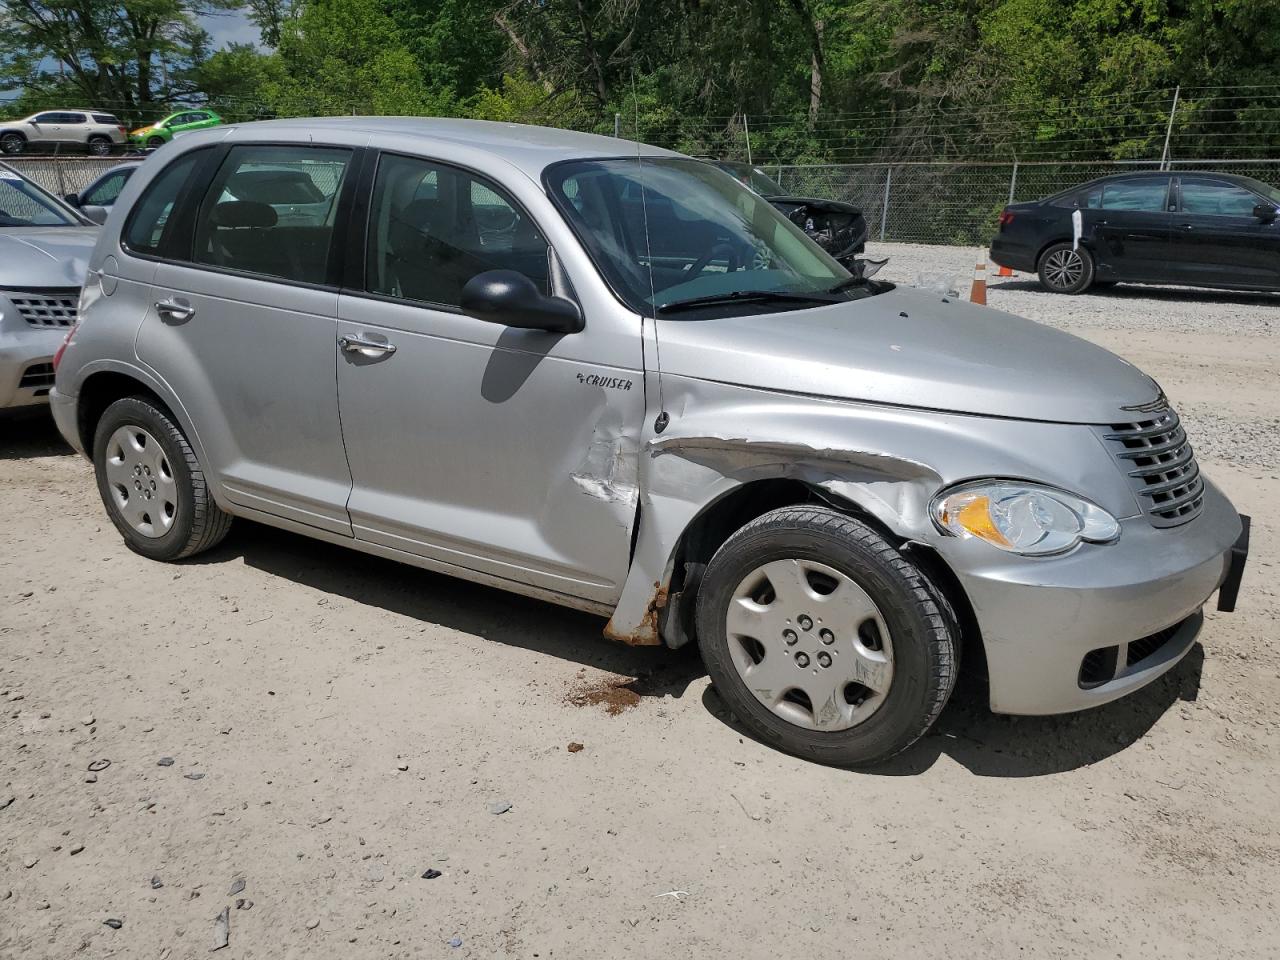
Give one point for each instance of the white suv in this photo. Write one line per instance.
(92, 130)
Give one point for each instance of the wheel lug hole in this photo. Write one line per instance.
(805, 622)
(802, 660)
(826, 636)
(824, 659)
(790, 637)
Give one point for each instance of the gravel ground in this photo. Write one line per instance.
(388, 761)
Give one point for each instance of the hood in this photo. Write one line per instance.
(910, 348)
(45, 256)
(142, 130)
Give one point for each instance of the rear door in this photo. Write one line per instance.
(1220, 241)
(1132, 227)
(505, 451)
(243, 325)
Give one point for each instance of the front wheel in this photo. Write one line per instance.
(1066, 270)
(823, 639)
(152, 484)
(155, 142)
(12, 143)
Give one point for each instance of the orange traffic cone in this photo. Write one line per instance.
(978, 292)
(1004, 272)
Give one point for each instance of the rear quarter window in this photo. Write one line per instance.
(151, 221)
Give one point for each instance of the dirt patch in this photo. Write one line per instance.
(613, 693)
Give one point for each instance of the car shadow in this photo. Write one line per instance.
(456, 604)
(987, 744)
(1138, 291)
(994, 745)
(30, 433)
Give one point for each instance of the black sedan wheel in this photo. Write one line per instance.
(1066, 270)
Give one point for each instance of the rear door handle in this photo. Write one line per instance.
(366, 348)
(172, 309)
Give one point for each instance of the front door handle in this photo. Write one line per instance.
(172, 309)
(366, 348)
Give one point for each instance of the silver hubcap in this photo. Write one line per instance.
(810, 644)
(1064, 268)
(141, 483)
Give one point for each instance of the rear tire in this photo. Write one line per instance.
(99, 146)
(12, 143)
(152, 484)
(862, 666)
(1064, 270)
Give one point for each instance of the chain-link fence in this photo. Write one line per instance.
(959, 203)
(946, 203)
(63, 175)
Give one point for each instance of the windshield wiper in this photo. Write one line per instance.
(746, 296)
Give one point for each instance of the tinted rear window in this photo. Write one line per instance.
(106, 118)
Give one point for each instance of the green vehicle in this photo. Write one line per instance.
(161, 132)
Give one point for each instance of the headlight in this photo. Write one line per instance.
(1021, 517)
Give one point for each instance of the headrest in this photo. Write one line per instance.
(243, 213)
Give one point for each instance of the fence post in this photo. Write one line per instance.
(746, 130)
(617, 125)
(1013, 180)
(884, 206)
(1164, 155)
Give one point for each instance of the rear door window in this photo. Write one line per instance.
(105, 191)
(1216, 198)
(270, 211)
(1148, 195)
(433, 227)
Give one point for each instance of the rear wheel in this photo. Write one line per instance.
(823, 639)
(99, 146)
(152, 484)
(12, 143)
(1066, 270)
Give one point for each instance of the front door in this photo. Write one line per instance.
(1132, 228)
(1220, 241)
(505, 451)
(243, 329)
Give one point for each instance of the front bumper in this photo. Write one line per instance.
(1071, 632)
(26, 362)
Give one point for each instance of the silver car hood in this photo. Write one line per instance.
(910, 348)
(45, 256)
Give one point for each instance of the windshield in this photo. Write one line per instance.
(669, 231)
(752, 177)
(1268, 191)
(23, 204)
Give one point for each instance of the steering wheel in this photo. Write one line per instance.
(704, 261)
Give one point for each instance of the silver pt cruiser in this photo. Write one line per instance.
(612, 377)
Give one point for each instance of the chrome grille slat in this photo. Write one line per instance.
(46, 308)
(1160, 464)
(1184, 457)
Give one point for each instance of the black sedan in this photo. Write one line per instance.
(1190, 228)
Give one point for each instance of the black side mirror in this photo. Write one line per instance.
(73, 199)
(1266, 212)
(510, 298)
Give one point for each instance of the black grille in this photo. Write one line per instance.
(1098, 667)
(1139, 650)
(1160, 465)
(37, 375)
(48, 308)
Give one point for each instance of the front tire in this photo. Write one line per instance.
(823, 639)
(1064, 270)
(155, 142)
(152, 484)
(12, 143)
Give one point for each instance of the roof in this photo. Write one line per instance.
(531, 148)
